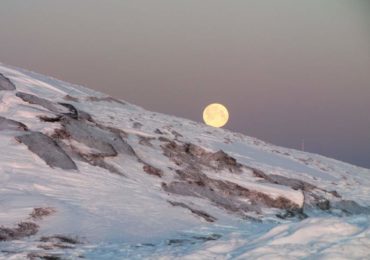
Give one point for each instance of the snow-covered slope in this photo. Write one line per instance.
(85, 175)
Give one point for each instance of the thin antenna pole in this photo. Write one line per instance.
(302, 147)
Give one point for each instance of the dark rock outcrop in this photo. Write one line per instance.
(40, 213)
(79, 126)
(314, 196)
(43, 256)
(57, 108)
(72, 110)
(144, 140)
(47, 149)
(5, 83)
(323, 204)
(96, 160)
(23, 229)
(295, 184)
(8, 124)
(151, 170)
(191, 154)
(222, 160)
(50, 119)
(288, 214)
(105, 142)
(197, 212)
(102, 141)
(35, 100)
(61, 239)
(106, 99)
(225, 194)
(191, 181)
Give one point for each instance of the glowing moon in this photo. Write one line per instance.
(215, 115)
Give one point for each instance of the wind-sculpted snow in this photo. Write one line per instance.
(84, 175)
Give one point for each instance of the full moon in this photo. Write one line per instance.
(215, 115)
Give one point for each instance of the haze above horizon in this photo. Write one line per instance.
(286, 70)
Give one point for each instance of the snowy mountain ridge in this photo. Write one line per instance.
(86, 175)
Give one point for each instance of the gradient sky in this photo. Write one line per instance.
(287, 70)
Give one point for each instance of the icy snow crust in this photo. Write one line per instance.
(288, 204)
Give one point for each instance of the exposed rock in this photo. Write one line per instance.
(40, 213)
(61, 239)
(90, 136)
(197, 212)
(107, 99)
(200, 190)
(35, 100)
(179, 242)
(8, 124)
(72, 110)
(293, 214)
(176, 134)
(223, 160)
(144, 140)
(107, 143)
(314, 197)
(82, 115)
(43, 256)
(51, 246)
(58, 108)
(334, 193)
(71, 98)
(191, 154)
(50, 119)
(73, 152)
(152, 170)
(323, 204)
(193, 240)
(60, 134)
(164, 139)
(98, 160)
(5, 83)
(114, 130)
(137, 125)
(210, 237)
(102, 141)
(47, 149)
(225, 194)
(23, 229)
(295, 184)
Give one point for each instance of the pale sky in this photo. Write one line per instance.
(287, 70)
